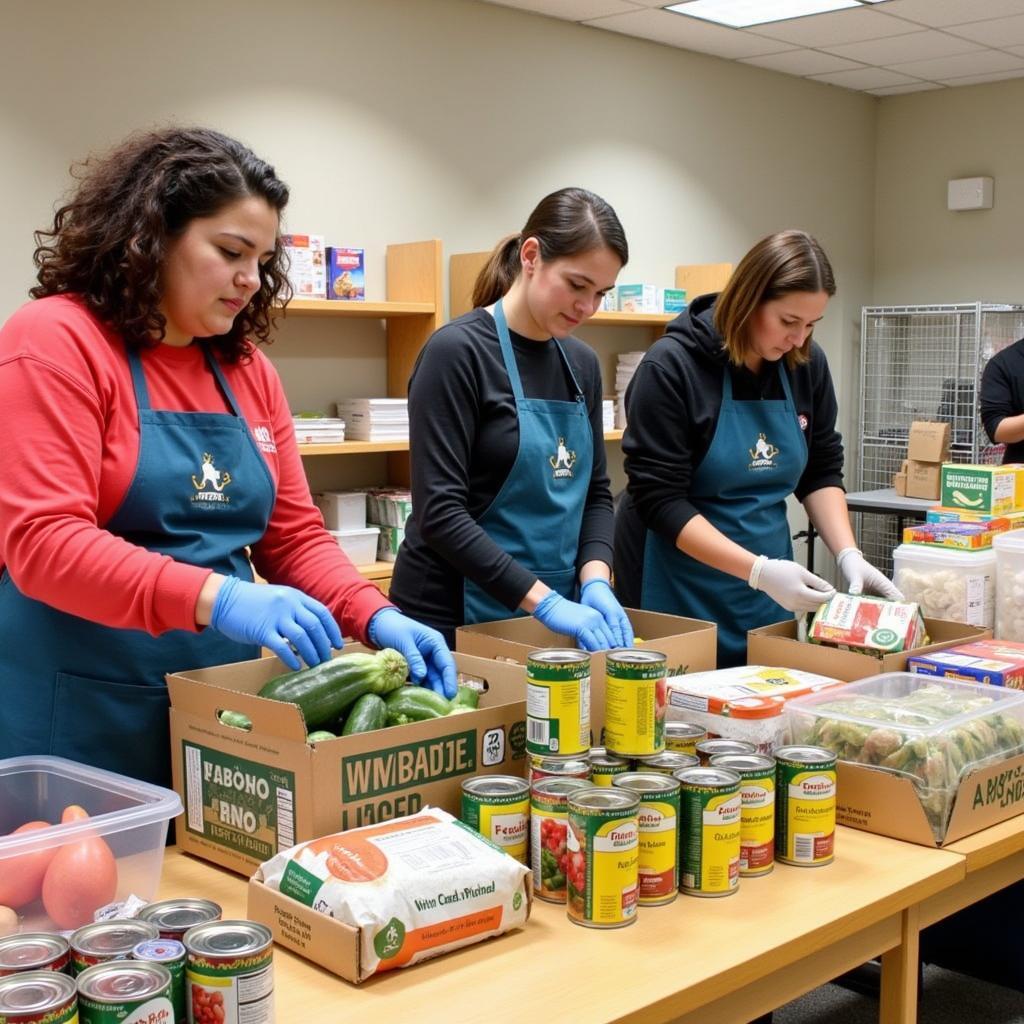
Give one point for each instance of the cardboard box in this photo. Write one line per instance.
(672, 300)
(346, 275)
(637, 298)
(778, 645)
(993, 490)
(249, 794)
(307, 269)
(923, 479)
(959, 536)
(995, 662)
(938, 514)
(899, 483)
(317, 937)
(879, 802)
(928, 442)
(691, 645)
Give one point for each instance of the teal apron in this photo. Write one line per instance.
(537, 514)
(70, 687)
(755, 462)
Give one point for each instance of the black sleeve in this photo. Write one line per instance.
(995, 397)
(825, 444)
(597, 530)
(657, 448)
(444, 408)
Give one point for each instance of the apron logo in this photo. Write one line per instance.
(563, 461)
(215, 478)
(762, 455)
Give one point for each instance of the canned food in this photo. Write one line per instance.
(107, 940)
(715, 745)
(558, 702)
(124, 992)
(805, 806)
(658, 822)
(174, 917)
(558, 768)
(498, 807)
(635, 702)
(757, 809)
(709, 829)
(170, 953)
(38, 997)
(549, 810)
(682, 737)
(33, 951)
(602, 879)
(229, 973)
(604, 766)
(665, 763)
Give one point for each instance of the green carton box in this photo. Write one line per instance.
(995, 490)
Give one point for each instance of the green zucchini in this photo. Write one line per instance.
(236, 720)
(415, 704)
(467, 697)
(368, 713)
(321, 734)
(324, 692)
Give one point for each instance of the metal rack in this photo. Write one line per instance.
(922, 363)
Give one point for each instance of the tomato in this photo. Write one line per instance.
(81, 877)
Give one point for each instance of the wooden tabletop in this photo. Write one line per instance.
(675, 959)
(991, 844)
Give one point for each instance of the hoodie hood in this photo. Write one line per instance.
(694, 329)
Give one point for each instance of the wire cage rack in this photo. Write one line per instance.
(922, 363)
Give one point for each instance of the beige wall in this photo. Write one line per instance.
(395, 120)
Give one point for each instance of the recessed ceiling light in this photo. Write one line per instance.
(743, 13)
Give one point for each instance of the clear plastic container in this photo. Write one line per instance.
(933, 732)
(1009, 552)
(342, 510)
(129, 816)
(359, 545)
(959, 586)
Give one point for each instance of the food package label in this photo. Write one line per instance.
(867, 624)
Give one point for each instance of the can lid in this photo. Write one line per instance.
(227, 938)
(667, 759)
(754, 707)
(646, 782)
(159, 951)
(23, 951)
(685, 729)
(744, 762)
(600, 798)
(180, 914)
(635, 656)
(600, 756)
(566, 764)
(719, 745)
(708, 778)
(116, 936)
(118, 980)
(35, 991)
(552, 786)
(559, 656)
(804, 755)
(496, 785)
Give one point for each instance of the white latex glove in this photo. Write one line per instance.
(790, 584)
(863, 577)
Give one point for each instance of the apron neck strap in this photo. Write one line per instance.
(509, 358)
(783, 377)
(142, 389)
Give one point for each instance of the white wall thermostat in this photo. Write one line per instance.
(969, 194)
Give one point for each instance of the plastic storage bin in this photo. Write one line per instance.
(342, 510)
(933, 732)
(1009, 552)
(959, 586)
(130, 816)
(359, 545)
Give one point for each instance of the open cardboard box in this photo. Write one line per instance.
(777, 645)
(249, 794)
(691, 645)
(317, 937)
(888, 805)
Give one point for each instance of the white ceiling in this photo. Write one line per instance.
(891, 47)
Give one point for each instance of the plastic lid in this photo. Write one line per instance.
(953, 557)
(1012, 540)
(755, 707)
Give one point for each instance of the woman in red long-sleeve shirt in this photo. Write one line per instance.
(148, 447)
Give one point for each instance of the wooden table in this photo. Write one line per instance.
(712, 960)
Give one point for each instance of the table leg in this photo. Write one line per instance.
(900, 974)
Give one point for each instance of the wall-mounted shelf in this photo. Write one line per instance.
(373, 447)
(358, 310)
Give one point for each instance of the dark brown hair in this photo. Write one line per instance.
(786, 262)
(108, 243)
(565, 223)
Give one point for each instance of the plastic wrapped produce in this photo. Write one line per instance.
(959, 586)
(930, 731)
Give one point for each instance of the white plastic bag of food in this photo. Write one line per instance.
(416, 887)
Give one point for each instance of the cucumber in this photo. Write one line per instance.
(467, 697)
(320, 734)
(236, 720)
(368, 713)
(324, 692)
(415, 704)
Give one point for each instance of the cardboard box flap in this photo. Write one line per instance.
(986, 797)
(880, 801)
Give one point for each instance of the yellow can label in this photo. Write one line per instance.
(757, 825)
(603, 866)
(659, 849)
(810, 817)
(711, 842)
(558, 709)
(635, 711)
(507, 826)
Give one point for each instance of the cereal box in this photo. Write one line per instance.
(997, 662)
(307, 271)
(346, 278)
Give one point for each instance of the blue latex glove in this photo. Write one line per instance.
(430, 662)
(278, 618)
(598, 594)
(585, 625)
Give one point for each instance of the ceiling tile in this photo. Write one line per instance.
(689, 33)
(865, 78)
(570, 10)
(997, 32)
(899, 90)
(940, 13)
(995, 76)
(980, 63)
(801, 62)
(835, 29)
(905, 47)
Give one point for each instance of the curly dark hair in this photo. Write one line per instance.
(109, 241)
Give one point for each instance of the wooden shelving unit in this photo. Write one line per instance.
(374, 447)
(358, 310)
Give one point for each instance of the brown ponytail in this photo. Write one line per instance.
(566, 223)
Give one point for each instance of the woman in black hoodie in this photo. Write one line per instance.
(728, 414)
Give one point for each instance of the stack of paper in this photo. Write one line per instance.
(624, 370)
(608, 414)
(375, 419)
(318, 430)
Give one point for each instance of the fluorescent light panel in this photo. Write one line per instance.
(744, 13)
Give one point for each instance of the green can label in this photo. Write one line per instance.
(558, 706)
(805, 808)
(153, 1010)
(242, 805)
(67, 1014)
(602, 870)
(635, 703)
(231, 990)
(171, 954)
(710, 838)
